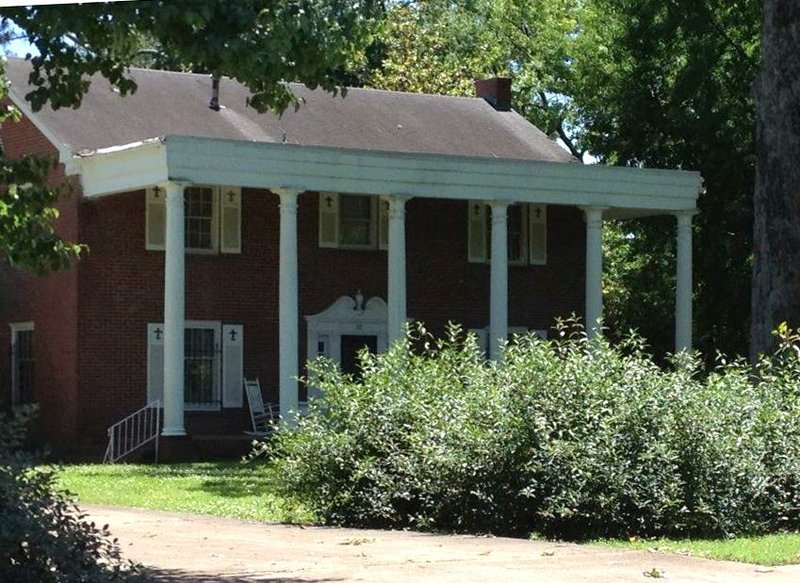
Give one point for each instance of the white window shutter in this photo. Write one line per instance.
(476, 231)
(155, 219)
(328, 219)
(537, 239)
(232, 365)
(155, 362)
(231, 219)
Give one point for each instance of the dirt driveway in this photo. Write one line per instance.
(182, 547)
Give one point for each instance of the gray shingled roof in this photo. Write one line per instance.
(169, 103)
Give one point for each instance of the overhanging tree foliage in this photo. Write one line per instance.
(258, 42)
(27, 237)
(635, 82)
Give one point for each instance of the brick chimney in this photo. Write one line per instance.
(496, 91)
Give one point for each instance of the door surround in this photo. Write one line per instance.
(346, 316)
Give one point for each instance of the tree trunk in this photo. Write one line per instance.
(776, 204)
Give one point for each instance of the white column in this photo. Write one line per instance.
(683, 291)
(594, 269)
(287, 306)
(498, 294)
(396, 295)
(174, 310)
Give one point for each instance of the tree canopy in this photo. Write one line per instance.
(633, 82)
(650, 83)
(258, 42)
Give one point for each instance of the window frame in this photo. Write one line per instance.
(16, 328)
(155, 205)
(214, 222)
(373, 224)
(216, 389)
(378, 237)
(480, 225)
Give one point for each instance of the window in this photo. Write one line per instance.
(356, 224)
(199, 374)
(351, 221)
(22, 363)
(212, 219)
(527, 233)
(199, 218)
(212, 368)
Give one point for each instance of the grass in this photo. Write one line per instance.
(228, 489)
(247, 491)
(771, 550)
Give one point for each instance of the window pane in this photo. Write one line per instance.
(199, 366)
(355, 207)
(199, 208)
(515, 233)
(355, 220)
(23, 366)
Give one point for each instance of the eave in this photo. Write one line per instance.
(197, 160)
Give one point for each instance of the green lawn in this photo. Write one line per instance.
(776, 549)
(238, 490)
(231, 489)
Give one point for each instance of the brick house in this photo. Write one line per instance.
(227, 244)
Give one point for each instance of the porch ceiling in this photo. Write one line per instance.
(624, 191)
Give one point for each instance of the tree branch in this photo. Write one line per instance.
(562, 133)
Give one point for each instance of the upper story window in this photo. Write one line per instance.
(199, 219)
(22, 363)
(527, 233)
(212, 219)
(352, 221)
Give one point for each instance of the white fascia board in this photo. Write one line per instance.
(123, 168)
(265, 165)
(64, 153)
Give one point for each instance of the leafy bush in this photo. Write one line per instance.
(43, 537)
(568, 438)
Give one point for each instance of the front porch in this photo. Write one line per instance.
(293, 173)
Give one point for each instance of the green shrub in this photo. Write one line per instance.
(567, 437)
(43, 537)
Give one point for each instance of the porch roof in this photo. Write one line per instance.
(623, 191)
(372, 142)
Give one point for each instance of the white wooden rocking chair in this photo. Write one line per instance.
(262, 417)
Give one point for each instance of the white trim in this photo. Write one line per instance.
(342, 318)
(375, 173)
(134, 167)
(21, 326)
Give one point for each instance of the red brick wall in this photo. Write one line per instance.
(121, 288)
(50, 302)
(91, 370)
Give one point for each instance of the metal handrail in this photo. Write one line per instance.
(135, 431)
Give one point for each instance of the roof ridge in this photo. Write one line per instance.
(421, 94)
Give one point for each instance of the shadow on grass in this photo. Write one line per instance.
(181, 576)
